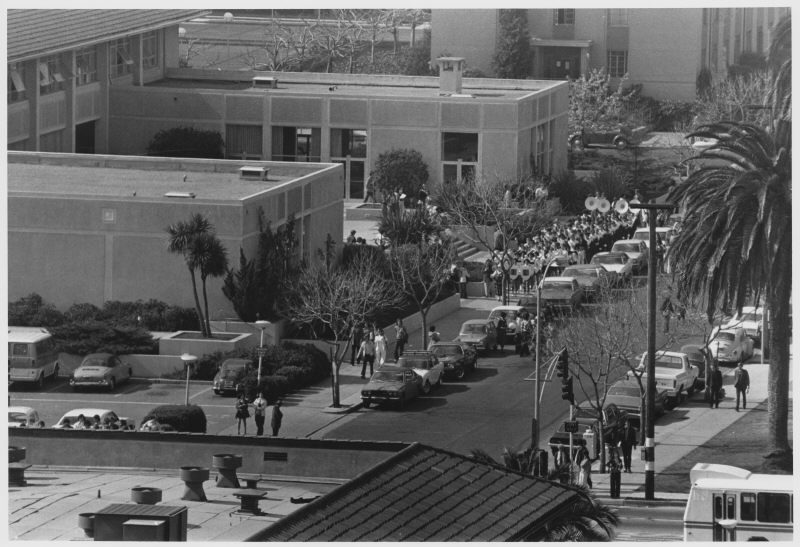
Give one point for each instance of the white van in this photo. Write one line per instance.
(32, 355)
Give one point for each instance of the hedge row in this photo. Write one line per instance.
(189, 418)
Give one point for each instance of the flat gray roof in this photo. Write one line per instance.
(120, 176)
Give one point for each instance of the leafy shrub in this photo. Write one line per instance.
(33, 311)
(190, 418)
(293, 374)
(186, 142)
(94, 336)
(570, 191)
(400, 169)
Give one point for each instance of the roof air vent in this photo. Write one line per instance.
(253, 172)
(179, 195)
(265, 82)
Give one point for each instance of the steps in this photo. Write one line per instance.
(464, 248)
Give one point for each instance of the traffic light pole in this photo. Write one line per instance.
(650, 390)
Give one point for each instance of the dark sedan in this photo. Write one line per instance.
(626, 395)
(561, 294)
(392, 384)
(458, 358)
(592, 278)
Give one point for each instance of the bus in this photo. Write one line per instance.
(727, 503)
(32, 355)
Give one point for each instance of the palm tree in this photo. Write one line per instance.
(736, 240)
(587, 520)
(201, 249)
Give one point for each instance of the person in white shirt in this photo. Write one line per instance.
(380, 347)
(259, 412)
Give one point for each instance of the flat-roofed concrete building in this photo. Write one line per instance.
(92, 228)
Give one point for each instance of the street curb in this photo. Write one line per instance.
(641, 502)
(343, 409)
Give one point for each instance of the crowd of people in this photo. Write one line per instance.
(84, 422)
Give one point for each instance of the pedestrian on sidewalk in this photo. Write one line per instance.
(584, 467)
(742, 385)
(369, 189)
(502, 327)
(259, 413)
(666, 312)
(497, 276)
(242, 413)
(615, 476)
(358, 336)
(463, 276)
(488, 283)
(433, 336)
(277, 418)
(629, 440)
(715, 384)
(380, 347)
(525, 328)
(366, 353)
(401, 337)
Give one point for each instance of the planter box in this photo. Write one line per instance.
(182, 342)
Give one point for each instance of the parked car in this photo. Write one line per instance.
(22, 416)
(561, 294)
(731, 344)
(480, 334)
(751, 320)
(617, 262)
(100, 370)
(587, 418)
(695, 354)
(457, 358)
(619, 138)
(512, 313)
(230, 375)
(69, 419)
(593, 279)
(636, 251)
(663, 234)
(626, 395)
(673, 372)
(391, 384)
(426, 365)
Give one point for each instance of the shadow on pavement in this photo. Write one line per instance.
(478, 375)
(673, 416)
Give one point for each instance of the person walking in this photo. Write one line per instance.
(463, 276)
(259, 413)
(242, 413)
(715, 385)
(502, 328)
(742, 384)
(369, 189)
(433, 336)
(401, 338)
(380, 347)
(277, 418)
(366, 353)
(358, 336)
(584, 467)
(497, 276)
(524, 332)
(488, 284)
(628, 442)
(666, 312)
(615, 475)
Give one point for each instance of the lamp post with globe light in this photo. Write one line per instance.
(261, 324)
(188, 360)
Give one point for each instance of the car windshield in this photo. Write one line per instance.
(18, 350)
(642, 236)
(585, 412)
(609, 259)
(17, 417)
(575, 272)
(626, 247)
(473, 328)
(510, 314)
(753, 317)
(558, 285)
(726, 336)
(387, 376)
(668, 361)
(99, 362)
(627, 391)
(412, 363)
(444, 351)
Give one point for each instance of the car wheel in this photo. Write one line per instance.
(367, 402)
(690, 391)
(426, 388)
(112, 384)
(440, 380)
(217, 392)
(40, 381)
(55, 372)
(621, 143)
(460, 373)
(401, 404)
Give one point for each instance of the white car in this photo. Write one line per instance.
(512, 313)
(751, 320)
(636, 251)
(22, 416)
(69, 419)
(663, 233)
(731, 345)
(425, 365)
(619, 263)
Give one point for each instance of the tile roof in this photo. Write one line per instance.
(428, 494)
(35, 32)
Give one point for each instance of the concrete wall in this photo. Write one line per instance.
(468, 33)
(304, 457)
(142, 366)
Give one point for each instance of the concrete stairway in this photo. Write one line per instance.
(465, 248)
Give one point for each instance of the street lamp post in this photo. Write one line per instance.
(228, 18)
(650, 390)
(536, 402)
(187, 362)
(261, 324)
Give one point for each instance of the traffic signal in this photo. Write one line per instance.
(562, 366)
(566, 391)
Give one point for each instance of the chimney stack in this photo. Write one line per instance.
(450, 70)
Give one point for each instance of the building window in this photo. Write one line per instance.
(86, 66)
(150, 50)
(774, 507)
(16, 83)
(349, 147)
(747, 506)
(121, 62)
(51, 75)
(617, 63)
(459, 156)
(564, 17)
(618, 17)
(51, 142)
(243, 141)
(296, 143)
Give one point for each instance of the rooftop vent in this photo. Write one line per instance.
(179, 195)
(450, 70)
(265, 82)
(253, 172)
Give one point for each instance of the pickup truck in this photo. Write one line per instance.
(673, 372)
(586, 416)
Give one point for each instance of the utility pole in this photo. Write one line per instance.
(650, 391)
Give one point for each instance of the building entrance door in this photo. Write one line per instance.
(84, 138)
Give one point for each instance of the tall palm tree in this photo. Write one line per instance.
(211, 258)
(587, 520)
(736, 240)
(183, 236)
